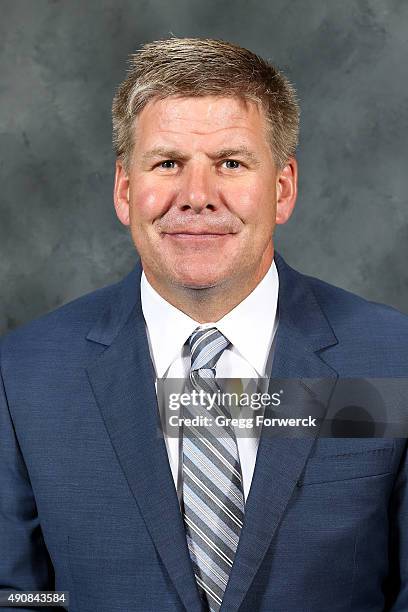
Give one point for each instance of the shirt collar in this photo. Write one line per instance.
(250, 326)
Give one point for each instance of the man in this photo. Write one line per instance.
(93, 500)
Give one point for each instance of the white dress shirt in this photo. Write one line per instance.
(250, 327)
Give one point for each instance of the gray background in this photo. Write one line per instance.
(60, 63)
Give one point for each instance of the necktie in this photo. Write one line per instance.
(212, 480)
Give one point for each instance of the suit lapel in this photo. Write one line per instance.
(122, 379)
(303, 330)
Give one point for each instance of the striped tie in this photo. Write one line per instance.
(212, 480)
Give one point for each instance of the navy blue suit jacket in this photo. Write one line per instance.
(87, 499)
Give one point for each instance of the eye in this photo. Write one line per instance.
(232, 164)
(167, 164)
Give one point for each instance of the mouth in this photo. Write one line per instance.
(196, 235)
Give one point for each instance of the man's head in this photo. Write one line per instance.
(205, 133)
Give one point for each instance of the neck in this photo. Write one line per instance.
(210, 304)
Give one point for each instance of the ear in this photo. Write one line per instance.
(121, 192)
(286, 191)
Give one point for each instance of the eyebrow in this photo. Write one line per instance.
(164, 152)
(237, 152)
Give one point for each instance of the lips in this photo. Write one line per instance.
(196, 237)
(196, 233)
(193, 239)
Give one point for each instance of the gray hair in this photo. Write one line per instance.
(185, 67)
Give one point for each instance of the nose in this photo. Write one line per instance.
(197, 189)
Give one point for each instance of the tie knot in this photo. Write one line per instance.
(206, 346)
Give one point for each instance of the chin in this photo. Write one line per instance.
(197, 282)
(198, 285)
(198, 279)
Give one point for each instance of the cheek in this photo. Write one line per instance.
(147, 203)
(255, 204)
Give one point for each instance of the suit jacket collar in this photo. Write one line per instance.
(122, 380)
(250, 326)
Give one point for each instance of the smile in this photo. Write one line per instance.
(196, 236)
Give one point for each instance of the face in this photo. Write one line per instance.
(202, 194)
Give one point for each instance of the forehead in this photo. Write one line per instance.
(195, 117)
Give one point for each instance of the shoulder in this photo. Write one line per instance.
(366, 338)
(60, 331)
(372, 338)
(349, 311)
(342, 309)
